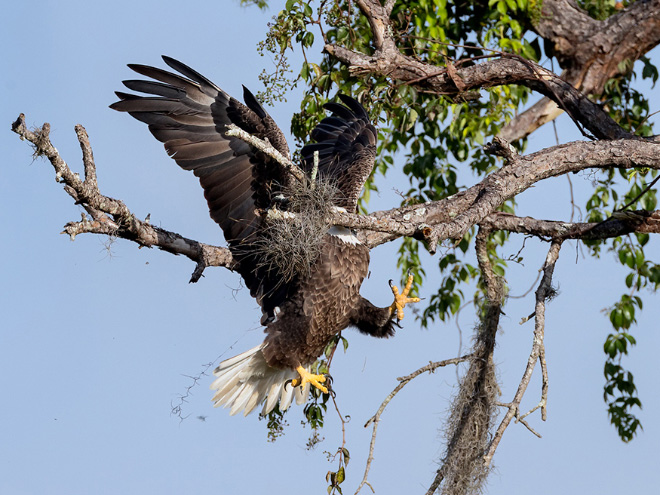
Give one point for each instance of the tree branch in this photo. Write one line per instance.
(452, 217)
(640, 221)
(544, 291)
(589, 50)
(509, 69)
(432, 222)
(111, 216)
(403, 381)
(266, 148)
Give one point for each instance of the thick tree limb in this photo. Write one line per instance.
(433, 222)
(390, 62)
(589, 50)
(501, 71)
(452, 217)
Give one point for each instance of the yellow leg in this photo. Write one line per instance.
(307, 377)
(400, 300)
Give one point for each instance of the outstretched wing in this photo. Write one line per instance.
(346, 143)
(188, 113)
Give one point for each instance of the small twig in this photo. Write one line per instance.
(531, 288)
(574, 206)
(526, 424)
(636, 198)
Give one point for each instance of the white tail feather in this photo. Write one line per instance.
(245, 381)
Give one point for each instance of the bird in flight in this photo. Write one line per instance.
(305, 274)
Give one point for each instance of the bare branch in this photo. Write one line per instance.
(641, 221)
(433, 222)
(545, 289)
(111, 216)
(590, 52)
(403, 381)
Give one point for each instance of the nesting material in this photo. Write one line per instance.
(292, 238)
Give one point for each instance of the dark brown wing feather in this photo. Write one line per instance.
(188, 113)
(346, 143)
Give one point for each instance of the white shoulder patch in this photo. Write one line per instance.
(344, 234)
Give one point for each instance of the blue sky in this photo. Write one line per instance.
(97, 339)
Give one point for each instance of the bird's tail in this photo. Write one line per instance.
(245, 381)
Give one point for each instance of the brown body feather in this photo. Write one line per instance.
(325, 304)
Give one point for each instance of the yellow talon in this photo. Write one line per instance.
(400, 300)
(307, 377)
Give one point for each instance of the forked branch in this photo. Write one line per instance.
(375, 419)
(109, 216)
(537, 353)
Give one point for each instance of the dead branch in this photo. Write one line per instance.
(452, 217)
(403, 381)
(641, 221)
(537, 353)
(266, 148)
(110, 216)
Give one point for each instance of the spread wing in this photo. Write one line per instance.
(188, 113)
(346, 142)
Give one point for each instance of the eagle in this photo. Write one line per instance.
(303, 309)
